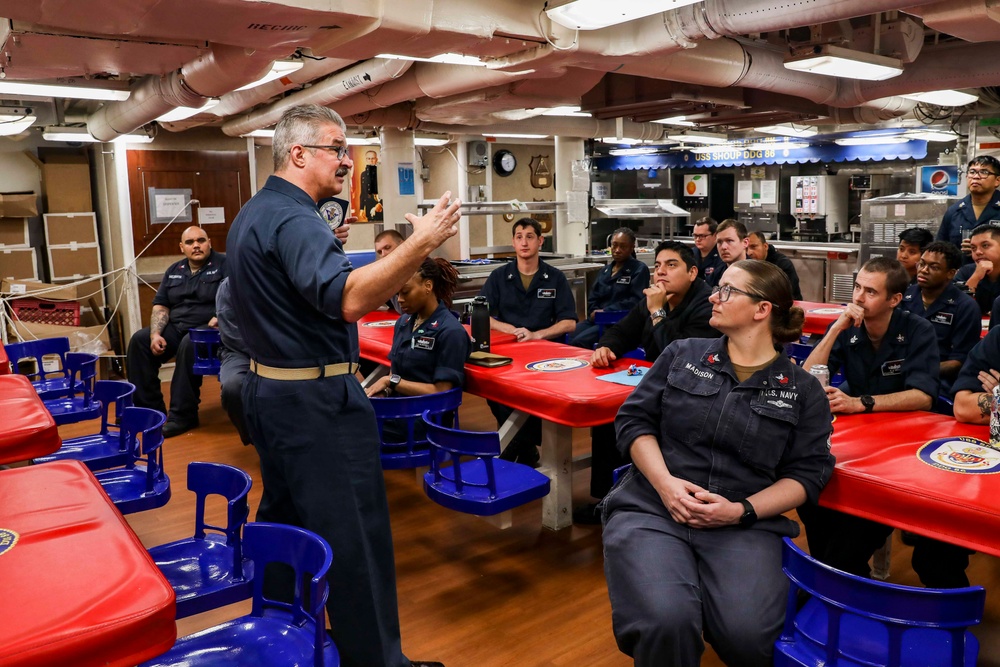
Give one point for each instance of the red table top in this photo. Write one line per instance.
(573, 397)
(880, 476)
(26, 427)
(819, 316)
(4, 361)
(78, 587)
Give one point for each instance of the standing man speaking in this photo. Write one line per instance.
(297, 299)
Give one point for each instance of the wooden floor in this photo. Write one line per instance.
(471, 595)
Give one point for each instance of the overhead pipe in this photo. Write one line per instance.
(212, 74)
(562, 126)
(354, 80)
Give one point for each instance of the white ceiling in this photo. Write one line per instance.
(718, 62)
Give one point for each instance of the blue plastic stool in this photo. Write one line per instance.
(134, 488)
(206, 342)
(415, 451)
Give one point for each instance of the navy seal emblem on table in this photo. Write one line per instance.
(557, 365)
(380, 323)
(961, 454)
(8, 538)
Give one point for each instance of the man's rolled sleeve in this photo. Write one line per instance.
(922, 366)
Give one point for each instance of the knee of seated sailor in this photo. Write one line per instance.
(640, 631)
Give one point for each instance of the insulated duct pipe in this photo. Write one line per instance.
(239, 100)
(581, 128)
(324, 92)
(217, 72)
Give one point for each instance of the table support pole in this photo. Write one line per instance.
(557, 463)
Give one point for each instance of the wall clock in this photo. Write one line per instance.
(504, 163)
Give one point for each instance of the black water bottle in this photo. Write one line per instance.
(479, 316)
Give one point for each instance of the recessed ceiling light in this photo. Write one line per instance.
(15, 120)
(516, 136)
(449, 58)
(573, 112)
(264, 133)
(597, 14)
(430, 141)
(676, 120)
(708, 138)
(81, 135)
(871, 141)
(787, 130)
(832, 60)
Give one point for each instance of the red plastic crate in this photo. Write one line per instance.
(66, 313)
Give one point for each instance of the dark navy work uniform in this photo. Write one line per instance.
(547, 300)
(987, 290)
(317, 439)
(191, 300)
(984, 356)
(668, 582)
(780, 260)
(961, 216)
(956, 321)
(906, 359)
(612, 291)
(689, 319)
(235, 361)
(710, 267)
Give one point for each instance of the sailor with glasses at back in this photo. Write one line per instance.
(981, 206)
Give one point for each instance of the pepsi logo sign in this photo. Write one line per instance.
(940, 179)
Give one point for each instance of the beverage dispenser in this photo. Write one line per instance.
(819, 205)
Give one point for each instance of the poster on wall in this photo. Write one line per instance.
(365, 200)
(695, 185)
(939, 180)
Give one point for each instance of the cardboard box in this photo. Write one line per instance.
(66, 179)
(14, 233)
(52, 292)
(18, 205)
(18, 263)
(74, 261)
(77, 335)
(63, 229)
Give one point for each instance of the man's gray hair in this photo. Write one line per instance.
(302, 125)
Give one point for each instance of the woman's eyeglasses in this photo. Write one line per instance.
(725, 290)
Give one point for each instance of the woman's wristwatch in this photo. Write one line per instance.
(394, 381)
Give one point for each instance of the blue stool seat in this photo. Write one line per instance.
(206, 342)
(484, 485)
(77, 404)
(289, 634)
(851, 621)
(106, 449)
(134, 488)
(399, 412)
(209, 570)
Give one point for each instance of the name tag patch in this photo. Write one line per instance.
(424, 343)
(624, 280)
(894, 367)
(546, 293)
(942, 318)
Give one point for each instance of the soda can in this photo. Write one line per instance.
(822, 374)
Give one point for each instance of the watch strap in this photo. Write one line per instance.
(658, 313)
(749, 516)
(868, 402)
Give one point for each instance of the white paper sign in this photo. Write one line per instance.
(577, 206)
(744, 192)
(167, 206)
(211, 215)
(769, 192)
(899, 210)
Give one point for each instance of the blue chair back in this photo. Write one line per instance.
(105, 449)
(75, 402)
(205, 571)
(134, 488)
(481, 484)
(395, 414)
(606, 318)
(849, 620)
(206, 342)
(47, 383)
(798, 352)
(274, 632)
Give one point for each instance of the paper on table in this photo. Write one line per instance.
(622, 377)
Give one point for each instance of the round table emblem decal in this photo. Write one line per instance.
(8, 538)
(826, 311)
(961, 454)
(557, 365)
(380, 323)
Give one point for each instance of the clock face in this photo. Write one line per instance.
(504, 163)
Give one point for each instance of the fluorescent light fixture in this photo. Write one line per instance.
(516, 136)
(837, 61)
(676, 120)
(279, 69)
(81, 135)
(266, 133)
(430, 141)
(15, 120)
(775, 145)
(180, 113)
(359, 141)
(112, 92)
(449, 58)
(787, 130)
(639, 150)
(566, 111)
(597, 14)
(708, 138)
(871, 141)
(932, 135)
(944, 98)
(618, 141)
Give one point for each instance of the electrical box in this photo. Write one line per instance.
(479, 154)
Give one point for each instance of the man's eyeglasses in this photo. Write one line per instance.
(699, 237)
(341, 151)
(980, 173)
(725, 290)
